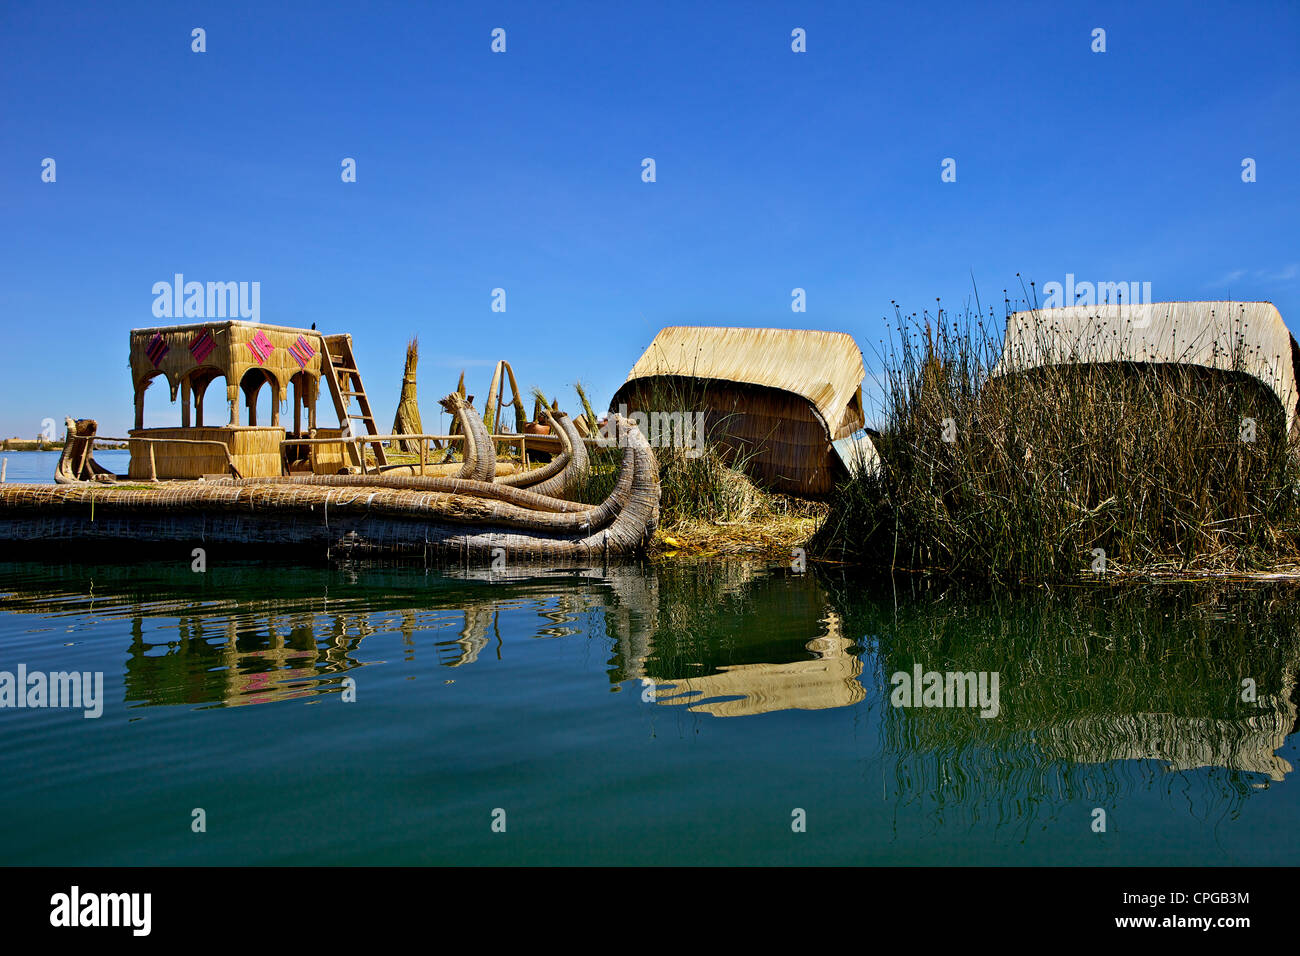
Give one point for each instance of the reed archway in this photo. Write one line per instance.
(154, 413)
(263, 407)
(304, 389)
(196, 385)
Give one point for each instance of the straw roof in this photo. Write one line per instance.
(823, 367)
(1236, 336)
(229, 354)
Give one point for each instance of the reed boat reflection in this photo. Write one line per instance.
(1128, 682)
(1096, 678)
(259, 634)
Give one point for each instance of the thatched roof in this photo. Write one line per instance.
(1210, 334)
(178, 350)
(823, 367)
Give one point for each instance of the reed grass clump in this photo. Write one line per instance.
(702, 479)
(704, 488)
(1065, 470)
(692, 488)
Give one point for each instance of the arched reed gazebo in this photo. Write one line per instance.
(246, 357)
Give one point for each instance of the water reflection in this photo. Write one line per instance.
(1197, 676)
(740, 639)
(1126, 681)
(254, 634)
(829, 678)
(249, 659)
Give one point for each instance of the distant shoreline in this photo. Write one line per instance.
(28, 444)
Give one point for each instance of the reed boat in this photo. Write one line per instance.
(217, 487)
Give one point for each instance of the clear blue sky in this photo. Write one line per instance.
(522, 170)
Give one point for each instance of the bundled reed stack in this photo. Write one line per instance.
(407, 420)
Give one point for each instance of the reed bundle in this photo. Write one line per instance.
(407, 419)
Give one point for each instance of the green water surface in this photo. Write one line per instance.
(681, 715)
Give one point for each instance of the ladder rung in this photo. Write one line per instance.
(346, 392)
(364, 418)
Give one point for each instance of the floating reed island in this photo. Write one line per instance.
(324, 489)
(1047, 445)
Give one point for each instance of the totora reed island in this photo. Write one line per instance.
(1046, 446)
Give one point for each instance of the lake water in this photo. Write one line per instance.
(38, 466)
(679, 715)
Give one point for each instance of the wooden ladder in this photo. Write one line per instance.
(340, 370)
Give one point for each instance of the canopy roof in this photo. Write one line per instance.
(229, 347)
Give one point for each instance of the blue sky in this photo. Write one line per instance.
(522, 170)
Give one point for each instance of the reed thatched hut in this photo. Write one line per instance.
(777, 399)
(1237, 338)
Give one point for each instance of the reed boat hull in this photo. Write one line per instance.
(256, 535)
(447, 520)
